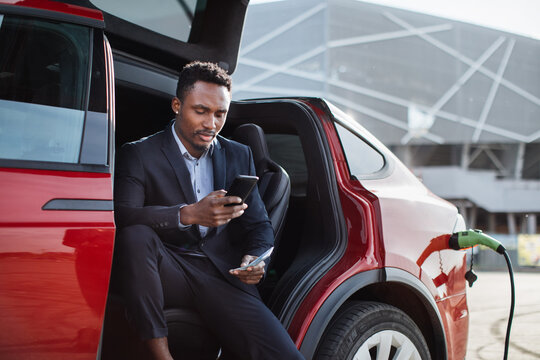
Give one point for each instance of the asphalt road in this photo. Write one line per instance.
(489, 306)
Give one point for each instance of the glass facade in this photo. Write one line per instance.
(448, 97)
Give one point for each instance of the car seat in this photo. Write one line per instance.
(274, 183)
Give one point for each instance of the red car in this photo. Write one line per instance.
(360, 270)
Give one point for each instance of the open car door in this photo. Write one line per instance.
(174, 32)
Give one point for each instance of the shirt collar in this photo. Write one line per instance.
(185, 153)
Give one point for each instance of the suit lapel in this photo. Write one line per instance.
(172, 153)
(219, 164)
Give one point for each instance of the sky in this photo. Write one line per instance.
(516, 16)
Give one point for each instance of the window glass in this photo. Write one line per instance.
(43, 83)
(94, 149)
(361, 157)
(286, 150)
(172, 18)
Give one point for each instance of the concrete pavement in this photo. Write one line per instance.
(489, 306)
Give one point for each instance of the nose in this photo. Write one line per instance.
(210, 122)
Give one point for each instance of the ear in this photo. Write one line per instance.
(176, 104)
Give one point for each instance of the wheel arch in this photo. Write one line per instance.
(391, 286)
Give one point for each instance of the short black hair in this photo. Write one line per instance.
(201, 71)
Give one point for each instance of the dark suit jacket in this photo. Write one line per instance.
(152, 180)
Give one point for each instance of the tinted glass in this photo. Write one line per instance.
(286, 150)
(43, 85)
(361, 157)
(172, 18)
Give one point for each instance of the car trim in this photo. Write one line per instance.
(46, 165)
(139, 72)
(355, 283)
(111, 110)
(303, 288)
(404, 277)
(51, 15)
(332, 304)
(388, 167)
(79, 205)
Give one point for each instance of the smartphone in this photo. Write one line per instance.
(255, 262)
(242, 186)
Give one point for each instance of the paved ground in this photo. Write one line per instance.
(489, 306)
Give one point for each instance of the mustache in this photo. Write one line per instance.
(205, 132)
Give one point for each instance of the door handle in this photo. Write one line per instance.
(79, 205)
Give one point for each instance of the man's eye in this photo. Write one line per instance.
(200, 112)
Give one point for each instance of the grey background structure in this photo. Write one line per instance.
(458, 103)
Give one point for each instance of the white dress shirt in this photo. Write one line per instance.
(201, 172)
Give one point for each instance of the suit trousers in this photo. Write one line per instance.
(155, 276)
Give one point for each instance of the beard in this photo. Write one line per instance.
(190, 137)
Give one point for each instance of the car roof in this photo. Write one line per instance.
(54, 10)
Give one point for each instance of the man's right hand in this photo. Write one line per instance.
(211, 210)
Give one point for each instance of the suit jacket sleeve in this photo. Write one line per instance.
(129, 195)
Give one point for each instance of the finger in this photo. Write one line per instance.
(232, 200)
(230, 212)
(249, 272)
(246, 259)
(237, 210)
(249, 278)
(218, 193)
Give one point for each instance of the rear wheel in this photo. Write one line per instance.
(370, 330)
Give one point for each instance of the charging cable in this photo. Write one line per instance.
(469, 238)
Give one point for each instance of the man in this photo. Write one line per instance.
(177, 241)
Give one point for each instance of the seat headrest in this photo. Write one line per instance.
(253, 136)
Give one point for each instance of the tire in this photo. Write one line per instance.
(370, 330)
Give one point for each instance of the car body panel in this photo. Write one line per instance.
(409, 216)
(54, 264)
(56, 219)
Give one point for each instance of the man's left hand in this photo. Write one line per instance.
(253, 274)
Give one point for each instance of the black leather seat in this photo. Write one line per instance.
(274, 183)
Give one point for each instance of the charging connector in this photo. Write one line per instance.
(470, 238)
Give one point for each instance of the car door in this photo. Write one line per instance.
(56, 219)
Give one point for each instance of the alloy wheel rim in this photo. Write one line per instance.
(387, 345)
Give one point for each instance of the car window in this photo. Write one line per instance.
(361, 157)
(43, 86)
(286, 150)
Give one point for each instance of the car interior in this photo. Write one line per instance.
(296, 182)
(294, 144)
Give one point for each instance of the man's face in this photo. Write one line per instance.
(201, 115)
